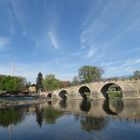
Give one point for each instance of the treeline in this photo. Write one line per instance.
(49, 83)
(11, 83)
(136, 74)
(85, 74)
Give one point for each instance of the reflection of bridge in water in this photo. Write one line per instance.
(116, 108)
(129, 88)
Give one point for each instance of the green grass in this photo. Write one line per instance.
(112, 94)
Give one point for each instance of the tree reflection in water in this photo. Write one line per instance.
(89, 123)
(49, 102)
(51, 115)
(113, 106)
(39, 115)
(11, 117)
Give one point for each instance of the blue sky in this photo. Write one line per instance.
(60, 36)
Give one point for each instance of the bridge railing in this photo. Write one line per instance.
(117, 79)
(110, 79)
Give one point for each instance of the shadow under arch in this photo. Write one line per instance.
(63, 94)
(116, 105)
(105, 89)
(84, 92)
(63, 104)
(113, 106)
(49, 102)
(85, 105)
(107, 109)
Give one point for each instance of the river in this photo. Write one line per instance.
(114, 119)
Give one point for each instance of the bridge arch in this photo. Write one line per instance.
(84, 92)
(116, 88)
(63, 94)
(49, 95)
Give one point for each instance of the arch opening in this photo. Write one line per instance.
(63, 94)
(49, 95)
(85, 92)
(111, 90)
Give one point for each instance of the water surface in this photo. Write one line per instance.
(73, 120)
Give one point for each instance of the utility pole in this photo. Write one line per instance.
(12, 69)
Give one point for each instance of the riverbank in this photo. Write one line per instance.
(10, 102)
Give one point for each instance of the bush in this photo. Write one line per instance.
(112, 94)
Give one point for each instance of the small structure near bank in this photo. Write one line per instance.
(32, 89)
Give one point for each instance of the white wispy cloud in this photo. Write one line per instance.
(16, 13)
(53, 40)
(104, 30)
(4, 43)
(91, 53)
(51, 19)
(137, 61)
(131, 62)
(120, 68)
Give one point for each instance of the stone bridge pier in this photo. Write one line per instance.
(96, 90)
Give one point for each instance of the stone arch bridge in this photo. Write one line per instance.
(97, 90)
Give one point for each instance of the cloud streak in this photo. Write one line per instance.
(51, 19)
(16, 13)
(119, 68)
(106, 29)
(53, 40)
(4, 43)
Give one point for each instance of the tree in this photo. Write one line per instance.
(137, 74)
(39, 82)
(11, 83)
(89, 73)
(51, 83)
(75, 80)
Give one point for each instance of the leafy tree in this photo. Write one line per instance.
(39, 82)
(75, 80)
(11, 83)
(89, 73)
(51, 83)
(137, 74)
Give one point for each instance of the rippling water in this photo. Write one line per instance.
(73, 120)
